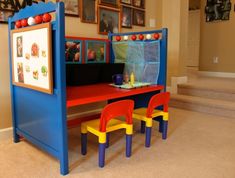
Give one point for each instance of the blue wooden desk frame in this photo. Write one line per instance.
(40, 117)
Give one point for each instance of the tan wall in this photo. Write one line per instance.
(217, 39)
(73, 28)
(174, 17)
(5, 108)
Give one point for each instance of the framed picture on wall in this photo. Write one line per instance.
(217, 10)
(95, 51)
(139, 3)
(88, 11)
(4, 14)
(108, 20)
(31, 57)
(138, 17)
(129, 2)
(114, 3)
(73, 50)
(71, 7)
(126, 17)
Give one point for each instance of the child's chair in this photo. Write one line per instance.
(146, 115)
(108, 123)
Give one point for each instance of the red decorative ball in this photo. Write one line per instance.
(24, 23)
(46, 17)
(133, 37)
(38, 19)
(118, 38)
(141, 37)
(18, 24)
(156, 36)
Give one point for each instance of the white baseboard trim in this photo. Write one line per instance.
(216, 74)
(6, 134)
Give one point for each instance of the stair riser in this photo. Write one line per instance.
(206, 94)
(202, 108)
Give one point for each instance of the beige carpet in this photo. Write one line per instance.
(198, 146)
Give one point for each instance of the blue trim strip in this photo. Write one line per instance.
(14, 116)
(135, 33)
(60, 73)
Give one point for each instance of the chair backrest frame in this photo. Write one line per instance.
(116, 109)
(160, 99)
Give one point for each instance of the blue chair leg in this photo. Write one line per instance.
(128, 145)
(142, 129)
(102, 154)
(148, 136)
(107, 139)
(160, 125)
(83, 144)
(164, 129)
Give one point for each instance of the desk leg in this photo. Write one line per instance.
(64, 165)
(63, 147)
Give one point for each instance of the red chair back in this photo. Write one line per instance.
(160, 99)
(116, 109)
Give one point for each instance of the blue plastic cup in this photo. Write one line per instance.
(118, 79)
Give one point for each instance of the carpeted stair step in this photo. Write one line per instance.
(205, 105)
(220, 92)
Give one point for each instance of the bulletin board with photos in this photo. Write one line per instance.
(31, 57)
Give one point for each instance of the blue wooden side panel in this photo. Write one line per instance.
(163, 58)
(37, 116)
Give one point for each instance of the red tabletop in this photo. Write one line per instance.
(101, 92)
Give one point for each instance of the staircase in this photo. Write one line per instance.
(208, 95)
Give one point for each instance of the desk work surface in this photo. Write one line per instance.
(101, 92)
